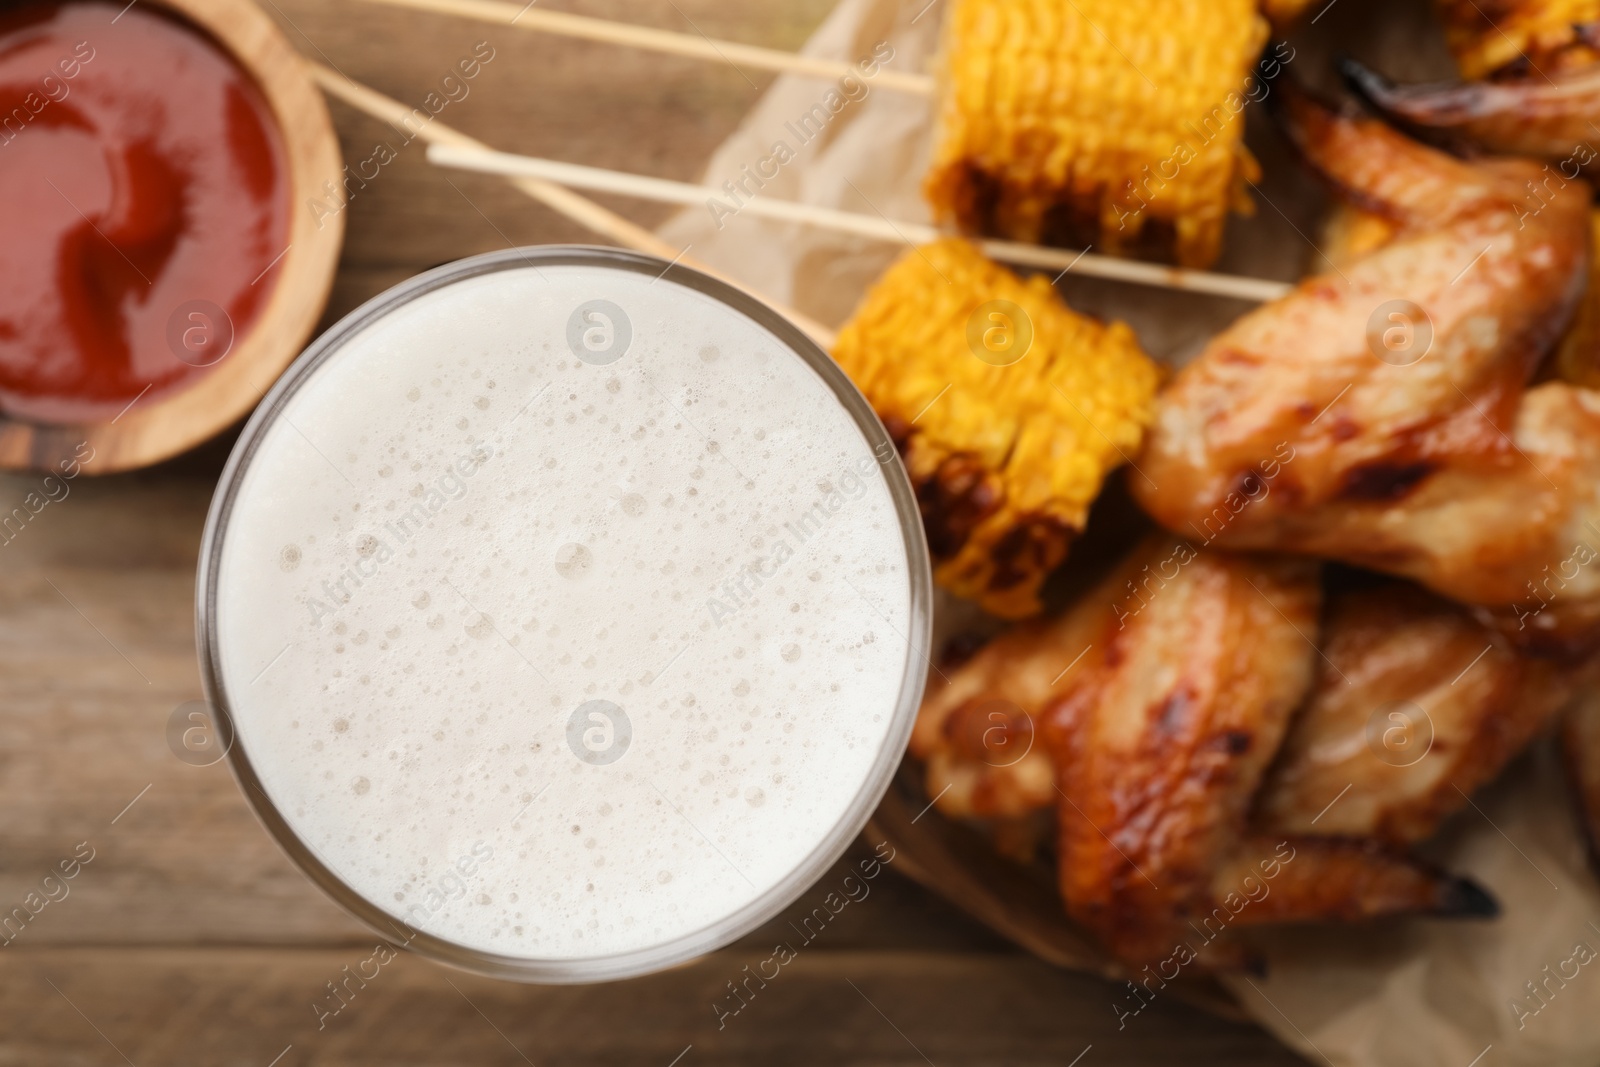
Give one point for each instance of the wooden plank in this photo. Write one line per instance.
(189, 938)
(246, 1006)
(617, 108)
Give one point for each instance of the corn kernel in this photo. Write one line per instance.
(1108, 122)
(1009, 409)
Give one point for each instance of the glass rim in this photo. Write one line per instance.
(767, 904)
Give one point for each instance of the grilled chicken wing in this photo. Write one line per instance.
(1417, 706)
(1378, 415)
(982, 735)
(1148, 715)
(1162, 751)
(1350, 234)
(1548, 115)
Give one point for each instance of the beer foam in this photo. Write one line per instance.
(563, 613)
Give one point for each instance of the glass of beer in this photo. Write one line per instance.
(567, 612)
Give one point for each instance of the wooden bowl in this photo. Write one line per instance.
(154, 430)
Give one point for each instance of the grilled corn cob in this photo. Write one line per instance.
(1008, 407)
(1109, 122)
(1551, 35)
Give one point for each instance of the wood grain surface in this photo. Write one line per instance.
(189, 939)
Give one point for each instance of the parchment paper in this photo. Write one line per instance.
(1413, 993)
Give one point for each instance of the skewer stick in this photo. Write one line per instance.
(672, 192)
(527, 17)
(558, 198)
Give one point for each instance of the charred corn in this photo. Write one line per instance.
(1008, 407)
(1549, 35)
(1117, 123)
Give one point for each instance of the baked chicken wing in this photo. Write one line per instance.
(1379, 414)
(1161, 754)
(1545, 116)
(1417, 705)
(981, 730)
(1148, 716)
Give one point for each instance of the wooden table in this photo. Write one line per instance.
(189, 939)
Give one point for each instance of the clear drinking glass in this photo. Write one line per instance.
(229, 695)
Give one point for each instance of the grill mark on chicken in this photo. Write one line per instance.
(1384, 482)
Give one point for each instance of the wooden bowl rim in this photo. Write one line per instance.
(153, 430)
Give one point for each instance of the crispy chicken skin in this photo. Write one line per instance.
(1392, 651)
(980, 730)
(1379, 415)
(1417, 706)
(987, 732)
(1160, 752)
(1150, 713)
(1160, 756)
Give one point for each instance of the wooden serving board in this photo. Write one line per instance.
(190, 939)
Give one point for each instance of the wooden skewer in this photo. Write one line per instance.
(672, 192)
(528, 17)
(579, 209)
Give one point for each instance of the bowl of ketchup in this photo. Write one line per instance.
(157, 274)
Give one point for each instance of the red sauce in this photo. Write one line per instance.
(143, 207)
